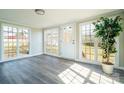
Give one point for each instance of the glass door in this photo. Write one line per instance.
(51, 41)
(100, 54)
(15, 42)
(90, 50)
(87, 42)
(9, 42)
(23, 41)
(67, 44)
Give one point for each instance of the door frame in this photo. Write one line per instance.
(59, 41)
(95, 46)
(74, 30)
(17, 49)
(44, 42)
(80, 48)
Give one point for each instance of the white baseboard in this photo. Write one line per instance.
(78, 60)
(116, 67)
(58, 56)
(21, 57)
(121, 68)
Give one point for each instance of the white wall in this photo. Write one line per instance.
(0, 42)
(121, 45)
(36, 42)
(120, 56)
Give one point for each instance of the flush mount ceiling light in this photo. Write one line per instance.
(39, 11)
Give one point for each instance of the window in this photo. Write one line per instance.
(51, 41)
(90, 46)
(100, 53)
(87, 42)
(15, 41)
(23, 37)
(67, 34)
(10, 41)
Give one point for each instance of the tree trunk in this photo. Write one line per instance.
(108, 48)
(107, 58)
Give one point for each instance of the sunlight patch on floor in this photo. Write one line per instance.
(69, 77)
(80, 69)
(77, 74)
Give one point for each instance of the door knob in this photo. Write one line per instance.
(73, 41)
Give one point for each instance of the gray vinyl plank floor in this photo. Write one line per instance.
(44, 69)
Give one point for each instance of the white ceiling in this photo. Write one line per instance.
(52, 17)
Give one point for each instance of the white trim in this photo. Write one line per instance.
(0, 42)
(117, 53)
(29, 40)
(88, 22)
(76, 60)
(14, 26)
(86, 62)
(74, 38)
(95, 46)
(80, 45)
(121, 68)
(15, 23)
(21, 57)
(17, 42)
(59, 56)
(59, 42)
(52, 54)
(44, 40)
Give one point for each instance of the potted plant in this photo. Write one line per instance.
(107, 29)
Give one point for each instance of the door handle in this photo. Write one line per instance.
(73, 41)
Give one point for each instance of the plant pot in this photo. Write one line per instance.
(107, 68)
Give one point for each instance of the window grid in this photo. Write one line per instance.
(88, 42)
(100, 54)
(11, 40)
(23, 42)
(87, 39)
(51, 41)
(67, 34)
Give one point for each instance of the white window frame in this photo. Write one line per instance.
(95, 46)
(45, 42)
(2, 42)
(73, 24)
(80, 44)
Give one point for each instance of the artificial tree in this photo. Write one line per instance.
(107, 29)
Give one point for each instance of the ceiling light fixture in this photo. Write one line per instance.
(39, 11)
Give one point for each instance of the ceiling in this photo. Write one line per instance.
(52, 17)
